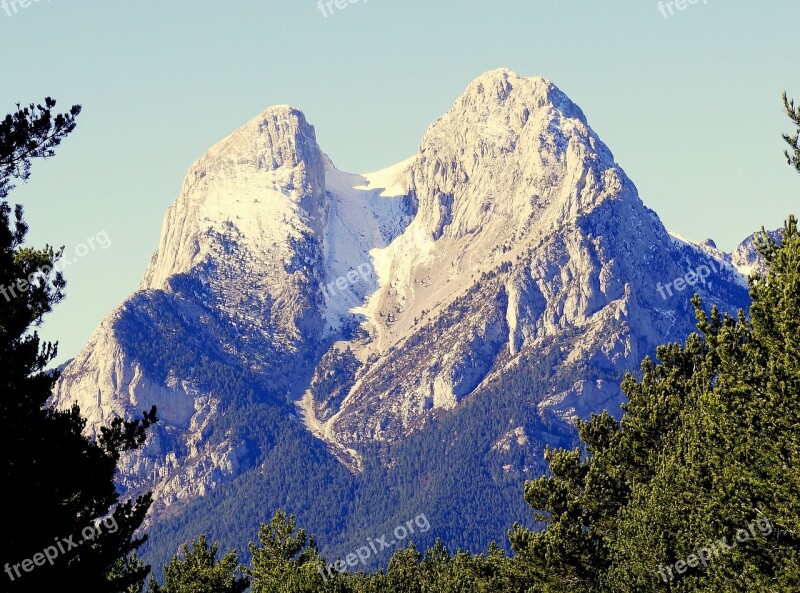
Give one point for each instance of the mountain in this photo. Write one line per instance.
(360, 349)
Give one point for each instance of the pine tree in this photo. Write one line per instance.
(64, 525)
(793, 141)
(197, 570)
(286, 559)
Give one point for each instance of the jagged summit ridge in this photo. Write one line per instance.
(271, 168)
(504, 87)
(523, 137)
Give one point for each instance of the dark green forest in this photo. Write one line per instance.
(695, 488)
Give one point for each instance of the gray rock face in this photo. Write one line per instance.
(237, 270)
(527, 232)
(511, 239)
(746, 257)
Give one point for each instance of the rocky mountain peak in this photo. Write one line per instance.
(504, 89)
(509, 149)
(264, 183)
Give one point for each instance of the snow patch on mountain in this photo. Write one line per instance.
(365, 214)
(721, 259)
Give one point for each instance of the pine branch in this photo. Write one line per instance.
(793, 157)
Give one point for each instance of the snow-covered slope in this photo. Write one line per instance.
(365, 213)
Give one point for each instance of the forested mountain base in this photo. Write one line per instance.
(697, 488)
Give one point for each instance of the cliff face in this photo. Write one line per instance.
(526, 234)
(236, 277)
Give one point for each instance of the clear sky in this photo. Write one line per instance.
(689, 104)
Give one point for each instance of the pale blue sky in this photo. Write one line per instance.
(688, 104)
